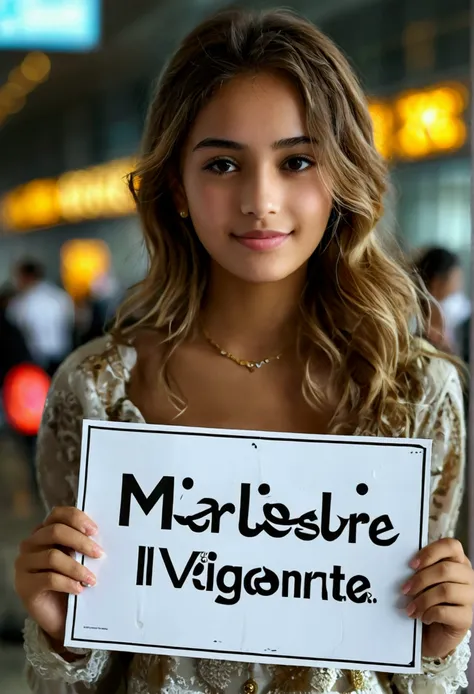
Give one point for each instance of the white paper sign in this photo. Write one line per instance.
(252, 546)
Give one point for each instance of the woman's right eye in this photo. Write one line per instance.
(221, 166)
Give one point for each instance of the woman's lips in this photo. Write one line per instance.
(262, 240)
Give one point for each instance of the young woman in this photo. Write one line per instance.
(268, 305)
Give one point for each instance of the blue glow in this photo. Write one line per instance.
(61, 25)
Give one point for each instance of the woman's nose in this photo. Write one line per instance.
(260, 195)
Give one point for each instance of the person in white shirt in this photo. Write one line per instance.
(441, 272)
(45, 315)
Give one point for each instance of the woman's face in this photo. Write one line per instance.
(250, 180)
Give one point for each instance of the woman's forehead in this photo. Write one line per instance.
(260, 109)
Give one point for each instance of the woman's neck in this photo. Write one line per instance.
(252, 320)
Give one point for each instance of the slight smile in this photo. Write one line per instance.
(262, 240)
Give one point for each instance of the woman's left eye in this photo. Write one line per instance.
(221, 166)
(296, 164)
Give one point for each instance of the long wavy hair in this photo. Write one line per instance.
(358, 300)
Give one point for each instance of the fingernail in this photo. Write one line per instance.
(98, 551)
(406, 587)
(415, 563)
(79, 588)
(411, 609)
(89, 582)
(91, 529)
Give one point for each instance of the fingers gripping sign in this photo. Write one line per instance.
(441, 594)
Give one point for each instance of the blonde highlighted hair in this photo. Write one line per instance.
(358, 301)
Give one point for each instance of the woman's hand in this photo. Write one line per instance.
(46, 572)
(442, 592)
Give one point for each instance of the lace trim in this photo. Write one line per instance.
(302, 680)
(49, 665)
(449, 674)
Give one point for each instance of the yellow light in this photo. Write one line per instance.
(23, 85)
(382, 119)
(32, 205)
(17, 105)
(429, 117)
(36, 67)
(97, 192)
(94, 193)
(83, 261)
(7, 96)
(14, 90)
(431, 121)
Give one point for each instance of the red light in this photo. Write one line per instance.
(24, 395)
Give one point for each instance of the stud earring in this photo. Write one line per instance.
(183, 214)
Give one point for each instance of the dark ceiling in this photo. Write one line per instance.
(76, 73)
(135, 35)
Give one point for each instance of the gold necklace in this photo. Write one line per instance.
(250, 686)
(250, 365)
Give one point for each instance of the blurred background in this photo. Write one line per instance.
(75, 76)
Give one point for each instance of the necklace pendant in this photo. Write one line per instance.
(250, 365)
(250, 687)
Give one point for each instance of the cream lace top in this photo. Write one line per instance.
(93, 384)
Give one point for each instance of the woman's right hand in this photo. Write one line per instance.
(46, 572)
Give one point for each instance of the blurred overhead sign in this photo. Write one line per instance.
(63, 25)
(411, 126)
(421, 122)
(77, 196)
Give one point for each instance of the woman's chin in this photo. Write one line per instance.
(261, 272)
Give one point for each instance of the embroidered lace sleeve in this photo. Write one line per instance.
(447, 431)
(58, 457)
(446, 427)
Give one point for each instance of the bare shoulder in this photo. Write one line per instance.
(148, 342)
(150, 346)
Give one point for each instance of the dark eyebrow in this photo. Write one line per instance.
(292, 142)
(213, 142)
(217, 143)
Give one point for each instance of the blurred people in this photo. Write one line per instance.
(442, 274)
(95, 312)
(13, 353)
(13, 347)
(105, 298)
(45, 315)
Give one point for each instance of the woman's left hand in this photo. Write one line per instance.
(442, 592)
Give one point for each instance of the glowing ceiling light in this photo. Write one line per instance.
(429, 117)
(17, 78)
(431, 121)
(36, 67)
(17, 105)
(32, 205)
(83, 262)
(382, 120)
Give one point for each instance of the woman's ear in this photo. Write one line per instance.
(179, 196)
